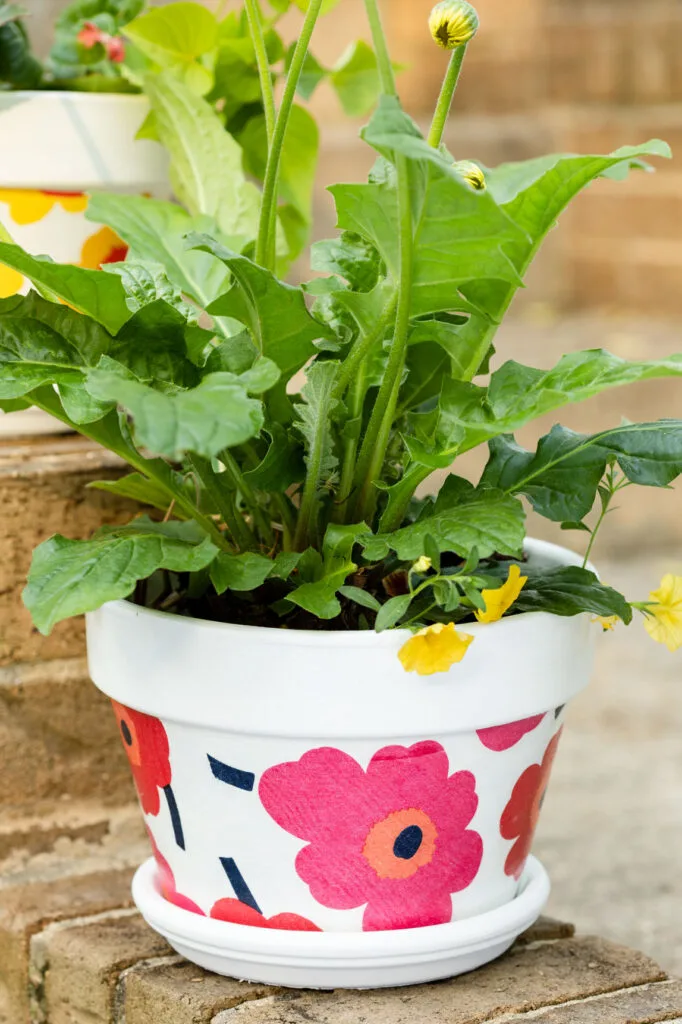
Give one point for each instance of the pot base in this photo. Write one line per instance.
(329, 960)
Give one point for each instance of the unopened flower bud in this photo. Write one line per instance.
(453, 23)
(472, 174)
(422, 565)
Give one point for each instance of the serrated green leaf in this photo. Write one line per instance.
(206, 162)
(350, 256)
(275, 313)
(216, 414)
(100, 296)
(69, 577)
(561, 478)
(463, 517)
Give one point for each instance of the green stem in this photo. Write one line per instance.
(305, 532)
(446, 96)
(244, 487)
(256, 25)
(377, 437)
(363, 345)
(270, 184)
(152, 469)
(224, 499)
(386, 73)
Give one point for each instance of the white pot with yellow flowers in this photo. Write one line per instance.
(341, 703)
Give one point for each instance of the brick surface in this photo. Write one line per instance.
(28, 909)
(43, 491)
(57, 737)
(650, 1004)
(527, 979)
(76, 967)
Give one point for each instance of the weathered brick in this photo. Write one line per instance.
(180, 993)
(57, 737)
(529, 978)
(43, 491)
(649, 1004)
(76, 967)
(26, 910)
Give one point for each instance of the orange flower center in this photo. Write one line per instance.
(401, 843)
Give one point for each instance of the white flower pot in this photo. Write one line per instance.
(57, 147)
(322, 818)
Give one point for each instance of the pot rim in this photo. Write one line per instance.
(555, 553)
(75, 95)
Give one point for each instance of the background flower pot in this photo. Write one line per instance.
(57, 147)
(299, 781)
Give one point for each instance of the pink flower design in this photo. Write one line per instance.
(394, 837)
(504, 737)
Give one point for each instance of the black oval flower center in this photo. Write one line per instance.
(408, 842)
(125, 732)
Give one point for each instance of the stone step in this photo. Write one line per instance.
(75, 952)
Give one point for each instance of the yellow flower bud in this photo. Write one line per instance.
(472, 174)
(453, 23)
(422, 565)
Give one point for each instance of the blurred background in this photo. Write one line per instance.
(583, 76)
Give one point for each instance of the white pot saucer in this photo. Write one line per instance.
(331, 960)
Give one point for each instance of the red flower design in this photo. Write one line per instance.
(504, 737)
(90, 35)
(146, 744)
(394, 837)
(167, 885)
(237, 912)
(520, 817)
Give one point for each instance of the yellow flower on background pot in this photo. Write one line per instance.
(434, 649)
(499, 601)
(663, 620)
(28, 206)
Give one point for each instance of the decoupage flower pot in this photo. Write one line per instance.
(56, 148)
(321, 818)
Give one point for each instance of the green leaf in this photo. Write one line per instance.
(138, 488)
(392, 612)
(206, 162)
(275, 313)
(282, 464)
(215, 415)
(175, 34)
(361, 597)
(460, 234)
(569, 591)
(155, 231)
(562, 477)
(351, 257)
(69, 577)
(462, 518)
(314, 418)
(18, 67)
(356, 79)
(239, 572)
(320, 598)
(469, 415)
(100, 296)
(145, 283)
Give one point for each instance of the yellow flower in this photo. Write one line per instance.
(472, 174)
(607, 622)
(663, 620)
(453, 23)
(422, 565)
(434, 649)
(499, 601)
(28, 206)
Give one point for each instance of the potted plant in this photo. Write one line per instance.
(340, 702)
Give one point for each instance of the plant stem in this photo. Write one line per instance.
(446, 96)
(270, 189)
(377, 437)
(363, 345)
(309, 500)
(224, 501)
(256, 25)
(233, 470)
(375, 443)
(350, 447)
